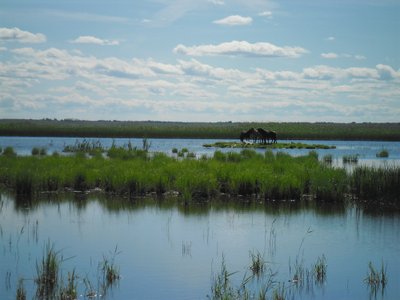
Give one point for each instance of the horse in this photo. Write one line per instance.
(267, 135)
(252, 133)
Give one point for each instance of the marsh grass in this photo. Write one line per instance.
(135, 172)
(377, 185)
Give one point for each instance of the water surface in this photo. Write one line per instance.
(365, 150)
(169, 250)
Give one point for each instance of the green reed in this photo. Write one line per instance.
(376, 185)
(48, 273)
(376, 279)
(136, 172)
(257, 265)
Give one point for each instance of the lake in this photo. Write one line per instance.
(365, 150)
(167, 250)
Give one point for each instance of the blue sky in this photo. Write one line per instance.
(201, 60)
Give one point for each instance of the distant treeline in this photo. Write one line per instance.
(217, 130)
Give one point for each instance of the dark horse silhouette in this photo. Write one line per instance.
(251, 134)
(267, 135)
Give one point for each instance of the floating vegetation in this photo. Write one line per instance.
(279, 145)
(383, 153)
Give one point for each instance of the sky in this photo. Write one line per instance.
(201, 60)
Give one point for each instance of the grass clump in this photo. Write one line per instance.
(110, 272)
(376, 279)
(328, 159)
(257, 265)
(38, 151)
(319, 270)
(9, 152)
(383, 153)
(47, 273)
(69, 291)
(350, 159)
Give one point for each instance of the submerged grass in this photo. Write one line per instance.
(136, 172)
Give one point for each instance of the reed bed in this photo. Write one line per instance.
(136, 172)
(225, 130)
(376, 185)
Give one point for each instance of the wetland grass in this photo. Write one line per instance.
(136, 172)
(48, 273)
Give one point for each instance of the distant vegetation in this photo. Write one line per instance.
(223, 130)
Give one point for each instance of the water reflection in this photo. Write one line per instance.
(115, 204)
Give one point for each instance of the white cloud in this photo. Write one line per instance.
(329, 55)
(86, 17)
(387, 72)
(49, 81)
(266, 13)
(330, 38)
(234, 20)
(241, 48)
(332, 55)
(87, 39)
(17, 35)
(217, 2)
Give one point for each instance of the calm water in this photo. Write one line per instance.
(366, 150)
(171, 251)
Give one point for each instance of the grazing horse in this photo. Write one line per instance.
(267, 136)
(252, 133)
